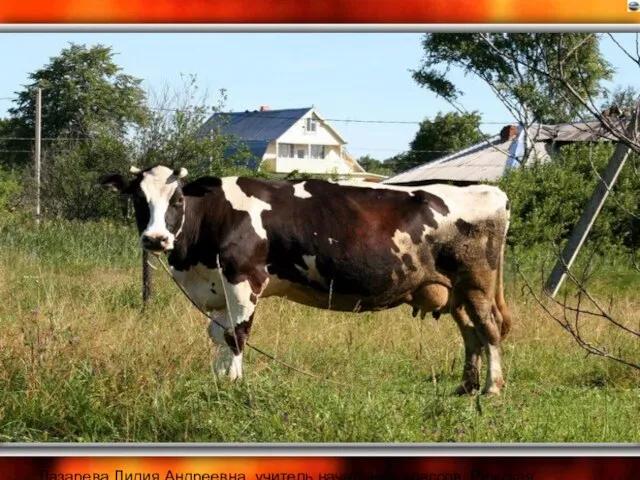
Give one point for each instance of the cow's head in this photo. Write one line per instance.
(158, 202)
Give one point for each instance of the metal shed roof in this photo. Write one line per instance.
(491, 158)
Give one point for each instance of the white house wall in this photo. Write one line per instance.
(331, 163)
(297, 134)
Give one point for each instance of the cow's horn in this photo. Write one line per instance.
(134, 170)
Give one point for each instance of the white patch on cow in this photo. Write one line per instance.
(332, 241)
(184, 216)
(158, 187)
(201, 282)
(242, 202)
(311, 273)
(240, 306)
(235, 369)
(222, 354)
(299, 191)
(494, 370)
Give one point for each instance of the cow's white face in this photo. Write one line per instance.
(158, 202)
(165, 205)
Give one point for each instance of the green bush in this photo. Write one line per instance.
(10, 191)
(548, 199)
(70, 180)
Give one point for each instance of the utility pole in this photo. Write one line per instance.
(38, 149)
(591, 211)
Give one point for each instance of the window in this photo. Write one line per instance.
(317, 151)
(285, 150)
(312, 125)
(301, 152)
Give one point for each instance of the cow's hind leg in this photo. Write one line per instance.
(481, 311)
(472, 351)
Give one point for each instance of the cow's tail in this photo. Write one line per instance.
(499, 299)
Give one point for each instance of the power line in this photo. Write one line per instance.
(346, 120)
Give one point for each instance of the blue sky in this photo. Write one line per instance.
(346, 76)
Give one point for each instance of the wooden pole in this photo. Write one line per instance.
(146, 278)
(38, 149)
(591, 211)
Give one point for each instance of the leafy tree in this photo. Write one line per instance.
(171, 136)
(520, 68)
(373, 165)
(84, 94)
(446, 133)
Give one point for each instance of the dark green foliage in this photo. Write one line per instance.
(373, 165)
(547, 200)
(84, 94)
(70, 190)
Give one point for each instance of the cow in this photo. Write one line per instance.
(345, 246)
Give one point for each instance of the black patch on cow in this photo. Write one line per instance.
(445, 257)
(237, 341)
(465, 228)
(408, 261)
(494, 238)
(253, 298)
(436, 203)
(202, 186)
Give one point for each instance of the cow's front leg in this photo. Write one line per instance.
(241, 305)
(222, 355)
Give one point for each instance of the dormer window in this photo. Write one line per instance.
(312, 125)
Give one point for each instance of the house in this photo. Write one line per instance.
(284, 141)
(490, 159)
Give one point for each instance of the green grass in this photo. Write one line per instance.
(80, 361)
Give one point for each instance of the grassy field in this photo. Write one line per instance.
(81, 362)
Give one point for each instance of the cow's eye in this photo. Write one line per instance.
(179, 201)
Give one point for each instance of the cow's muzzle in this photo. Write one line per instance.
(156, 243)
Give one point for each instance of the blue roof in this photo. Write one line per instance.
(255, 125)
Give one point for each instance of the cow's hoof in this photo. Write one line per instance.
(491, 392)
(465, 389)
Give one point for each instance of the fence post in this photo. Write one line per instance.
(38, 149)
(146, 278)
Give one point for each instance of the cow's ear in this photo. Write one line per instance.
(114, 182)
(180, 172)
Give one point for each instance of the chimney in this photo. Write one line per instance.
(508, 132)
(265, 108)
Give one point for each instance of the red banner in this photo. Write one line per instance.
(318, 11)
(319, 468)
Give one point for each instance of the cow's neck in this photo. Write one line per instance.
(199, 240)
